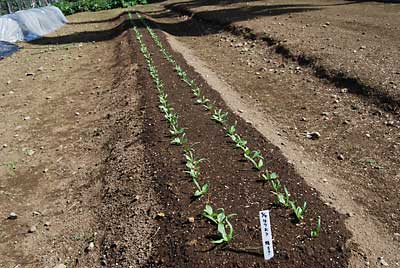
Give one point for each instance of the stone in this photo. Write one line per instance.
(12, 216)
(396, 237)
(47, 224)
(191, 219)
(160, 215)
(32, 229)
(60, 266)
(340, 157)
(315, 135)
(382, 262)
(90, 247)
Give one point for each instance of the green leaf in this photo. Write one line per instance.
(221, 217)
(208, 209)
(220, 241)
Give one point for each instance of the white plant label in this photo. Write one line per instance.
(266, 234)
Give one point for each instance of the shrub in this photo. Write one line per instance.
(72, 7)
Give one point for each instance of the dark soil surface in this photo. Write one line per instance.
(234, 186)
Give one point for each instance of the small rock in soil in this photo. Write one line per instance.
(340, 157)
(191, 219)
(160, 215)
(36, 213)
(90, 247)
(32, 229)
(389, 123)
(396, 237)
(313, 135)
(47, 224)
(344, 90)
(382, 262)
(12, 216)
(60, 266)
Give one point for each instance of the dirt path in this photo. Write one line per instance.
(70, 162)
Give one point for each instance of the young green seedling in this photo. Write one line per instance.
(284, 199)
(209, 106)
(176, 131)
(200, 189)
(191, 161)
(225, 237)
(194, 173)
(231, 130)
(240, 143)
(179, 140)
(254, 157)
(220, 116)
(216, 217)
(172, 118)
(298, 211)
(315, 233)
(269, 176)
(202, 100)
(276, 185)
(196, 92)
(209, 213)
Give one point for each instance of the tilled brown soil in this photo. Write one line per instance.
(234, 186)
(72, 160)
(359, 144)
(98, 178)
(353, 44)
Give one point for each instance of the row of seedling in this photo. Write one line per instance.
(221, 117)
(179, 138)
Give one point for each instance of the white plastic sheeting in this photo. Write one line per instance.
(33, 23)
(10, 30)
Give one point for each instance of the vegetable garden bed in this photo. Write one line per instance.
(234, 183)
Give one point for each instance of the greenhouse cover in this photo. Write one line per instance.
(27, 25)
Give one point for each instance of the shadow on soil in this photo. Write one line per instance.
(89, 36)
(215, 21)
